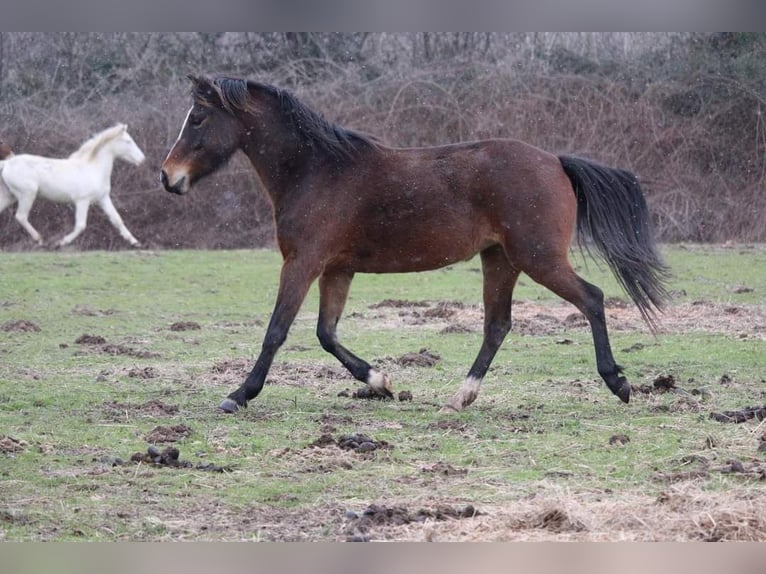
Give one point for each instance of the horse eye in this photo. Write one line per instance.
(196, 121)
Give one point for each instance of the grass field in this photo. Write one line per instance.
(106, 355)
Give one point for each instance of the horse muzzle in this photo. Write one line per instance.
(179, 185)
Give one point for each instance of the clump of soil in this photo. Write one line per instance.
(145, 373)
(168, 433)
(364, 393)
(185, 326)
(661, 384)
(170, 457)
(741, 415)
(9, 444)
(20, 326)
(556, 520)
(423, 358)
(455, 328)
(356, 442)
(90, 340)
(619, 440)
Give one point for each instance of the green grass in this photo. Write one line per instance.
(543, 416)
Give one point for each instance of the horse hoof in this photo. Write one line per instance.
(229, 406)
(448, 410)
(624, 391)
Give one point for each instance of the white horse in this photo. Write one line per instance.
(82, 178)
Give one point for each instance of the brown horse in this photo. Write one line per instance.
(344, 203)
(5, 151)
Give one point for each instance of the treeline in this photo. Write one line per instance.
(684, 111)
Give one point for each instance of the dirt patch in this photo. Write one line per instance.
(444, 310)
(111, 348)
(9, 445)
(555, 520)
(90, 340)
(399, 303)
(456, 329)
(740, 415)
(143, 373)
(161, 434)
(185, 326)
(534, 319)
(20, 326)
(423, 358)
(153, 408)
(449, 425)
(87, 311)
(360, 443)
(444, 469)
(376, 516)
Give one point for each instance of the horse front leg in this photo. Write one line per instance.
(106, 205)
(80, 221)
(333, 292)
(294, 282)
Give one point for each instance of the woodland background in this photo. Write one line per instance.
(684, 111)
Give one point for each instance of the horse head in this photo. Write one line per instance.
(210, 134)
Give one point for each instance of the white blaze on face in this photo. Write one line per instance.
(183, 126)
(176, 173)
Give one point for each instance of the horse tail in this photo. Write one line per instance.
(612, 215)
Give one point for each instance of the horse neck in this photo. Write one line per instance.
(281, 158)
(104, 158)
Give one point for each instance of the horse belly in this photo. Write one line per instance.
(416, 248)
(69, 186)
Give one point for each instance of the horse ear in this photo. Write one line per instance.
(203, 89)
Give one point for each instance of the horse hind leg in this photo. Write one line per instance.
(561, 279)
(333, 292)
(499, 281)
(6, 197)
(25, 201)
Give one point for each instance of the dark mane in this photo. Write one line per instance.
(320, 133)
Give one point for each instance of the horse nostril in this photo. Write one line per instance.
(164, 179)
